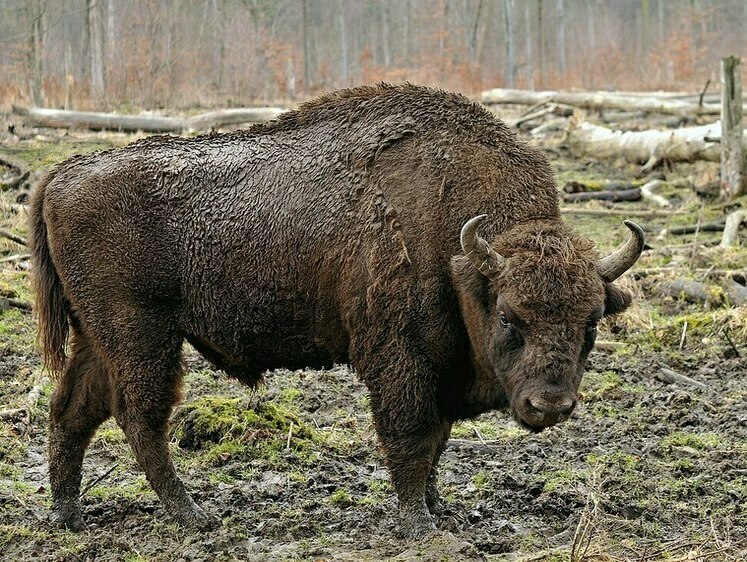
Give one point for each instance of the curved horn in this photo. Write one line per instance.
(479, 252)
(618, 262)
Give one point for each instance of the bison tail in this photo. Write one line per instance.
(51, 306)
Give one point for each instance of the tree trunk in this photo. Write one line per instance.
(561, 37)
(306, 63)
(510, 62)
(96, 46)
(35, 15)
(732, 155)
(529, 62)
(343, 44)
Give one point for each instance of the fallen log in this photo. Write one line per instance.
(6, 303)
(60, 118)
(735, 292)
(729, 293)
(691, 291)
(577, 186)
(692, 229)
(669, 376)
(601, 100)
(11, 236)
(644, 213)
(605, 195)
(731, 228)
(646, 147)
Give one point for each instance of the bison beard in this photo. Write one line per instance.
(329, 235)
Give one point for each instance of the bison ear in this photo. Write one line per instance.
(616, 300)
(468, 280)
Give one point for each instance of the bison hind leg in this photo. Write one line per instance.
(146, 388)
(80, 403)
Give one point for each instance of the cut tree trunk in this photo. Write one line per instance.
(650, 147)
(641, 101)
(59, 118)
(731, 228)
(732, 152)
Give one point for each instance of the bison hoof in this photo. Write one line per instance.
(417, 523)
(72, 520)
(195, 518)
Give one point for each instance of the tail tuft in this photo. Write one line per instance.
(51, 306)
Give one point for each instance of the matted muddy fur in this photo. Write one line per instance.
(331, 235)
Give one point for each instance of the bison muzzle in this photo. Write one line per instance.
(402, 230)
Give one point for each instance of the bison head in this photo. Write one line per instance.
(531, 302)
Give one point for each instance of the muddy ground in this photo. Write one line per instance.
(645, 470)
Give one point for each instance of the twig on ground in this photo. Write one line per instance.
(647, 192)
(684, 333)
(479, 434)
(99, 479)
(290, 434)
(15, 257)
(731, 343)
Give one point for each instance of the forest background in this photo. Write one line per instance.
(134, 54)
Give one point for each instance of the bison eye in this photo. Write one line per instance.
(591, 329)
(504, 319)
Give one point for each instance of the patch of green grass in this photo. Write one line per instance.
(222, 429)
(17, 332)
(487, 428)
(480, 480)
(619, 461)
(596, 385)
(341, 497)
(133, 490)
(378, 491)
(12, 533)
(561, 479)
(697, 441)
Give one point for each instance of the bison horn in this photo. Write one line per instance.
(620, 261)
(479, 252)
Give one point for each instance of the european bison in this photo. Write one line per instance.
(344, 231)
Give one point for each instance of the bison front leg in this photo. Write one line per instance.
(412, 435)
(432, 497)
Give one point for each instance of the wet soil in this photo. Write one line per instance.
(662, 465)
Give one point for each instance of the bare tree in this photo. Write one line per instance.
(35, 10)
(96, 18)
(510, 61)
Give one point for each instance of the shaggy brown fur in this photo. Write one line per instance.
(329, 235)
